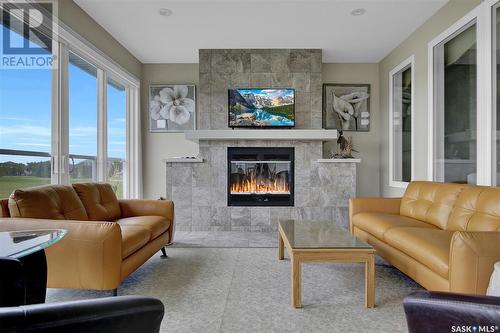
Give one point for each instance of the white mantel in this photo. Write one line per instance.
(183, 159)
(339, 160)
(262, 134)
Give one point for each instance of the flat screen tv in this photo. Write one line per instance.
(261, 107)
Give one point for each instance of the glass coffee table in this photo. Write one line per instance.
(21, 243)
(321, 241)
(24, 265)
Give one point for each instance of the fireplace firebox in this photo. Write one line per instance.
(260, 176)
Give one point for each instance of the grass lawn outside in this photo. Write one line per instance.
(10, 183)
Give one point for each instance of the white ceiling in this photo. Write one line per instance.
(200, 24)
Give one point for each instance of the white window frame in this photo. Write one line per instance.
(489, 8)
(107, 68)
(483, 130)
(132, 185)
(409, 62)
(65, 40)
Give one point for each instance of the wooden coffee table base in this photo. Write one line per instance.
(327, 255)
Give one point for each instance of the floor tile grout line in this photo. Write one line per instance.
(229, 289)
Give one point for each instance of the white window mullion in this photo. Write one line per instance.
(413, 125)
(102, 127)
(127, 180)
(484, 98)
(396, 128)
(489, 12)
(133, 188)
(430, 113)
(492, 6)
(62, 135)
(54, 145)
(436, 119)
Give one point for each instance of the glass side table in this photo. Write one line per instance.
(23, 265)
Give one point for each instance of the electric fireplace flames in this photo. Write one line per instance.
(269, 177)
(260, 176)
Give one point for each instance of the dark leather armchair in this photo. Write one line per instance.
(448, 312)
(121, 314)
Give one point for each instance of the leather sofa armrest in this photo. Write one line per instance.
(472, 257)
(373, 205)
(439, 312)
(111, 314)
(4, 208)
(136, 207)
(90, 252)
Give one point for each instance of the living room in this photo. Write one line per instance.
(326, 166)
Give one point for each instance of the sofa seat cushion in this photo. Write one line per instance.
(100, 201)
(155, 224)
(430, 247)
(378, 224)
(133, 239)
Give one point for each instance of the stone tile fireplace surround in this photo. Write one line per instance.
(199, 188)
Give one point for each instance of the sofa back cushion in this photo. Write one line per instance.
(430, 202)
(100, 201)
(477, 209)
(57, 202)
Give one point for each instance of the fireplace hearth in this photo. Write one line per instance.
(260, 176)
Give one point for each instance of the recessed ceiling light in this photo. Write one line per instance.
(358, 12)
(165, 12)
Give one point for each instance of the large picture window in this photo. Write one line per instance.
(458, 135)
(401, 123)
(25, 123)
(75, 122)
(455, 108)
(117, 133)
(83, 120)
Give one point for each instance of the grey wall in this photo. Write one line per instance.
(157, 146)
(415, 44)
(367, 143)
(277, 68)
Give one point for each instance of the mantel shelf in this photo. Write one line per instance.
(339, 160)
(262, 134)
(183, 160)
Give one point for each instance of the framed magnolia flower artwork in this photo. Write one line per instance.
(172, 108)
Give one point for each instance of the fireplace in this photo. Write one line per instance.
(260, 176)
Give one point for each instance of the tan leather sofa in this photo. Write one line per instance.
(107, 238)
(444, 236)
